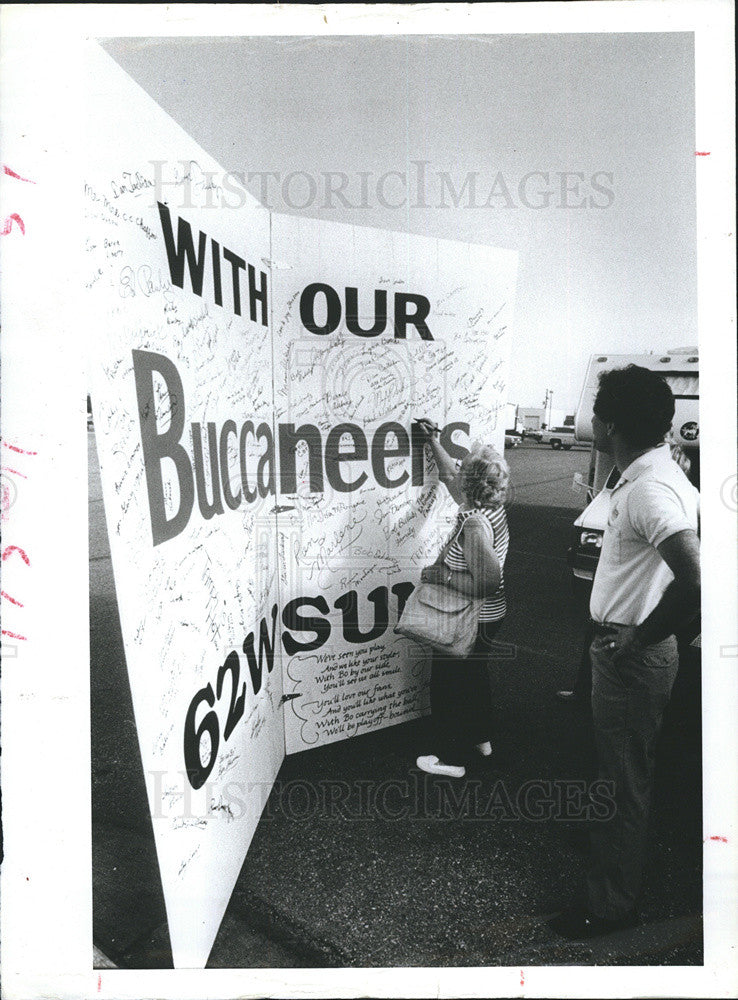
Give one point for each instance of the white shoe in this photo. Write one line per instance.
(484, 748)
(433, 766)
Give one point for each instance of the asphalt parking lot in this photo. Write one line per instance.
(542, 476)
(436, 888)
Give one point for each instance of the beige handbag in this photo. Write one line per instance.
(442, 618)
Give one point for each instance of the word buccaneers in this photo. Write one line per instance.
(257, 473)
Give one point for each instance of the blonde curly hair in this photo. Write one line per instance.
(485, 476)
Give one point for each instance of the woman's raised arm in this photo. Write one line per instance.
(447, 471)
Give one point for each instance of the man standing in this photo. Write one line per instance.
(647, 584)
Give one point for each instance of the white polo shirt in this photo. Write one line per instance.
(651, 501)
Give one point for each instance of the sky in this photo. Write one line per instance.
(576, 150)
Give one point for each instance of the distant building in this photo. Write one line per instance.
(532, 417)
(512, 418)
(537, 418)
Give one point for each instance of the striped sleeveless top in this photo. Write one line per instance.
(494, 607)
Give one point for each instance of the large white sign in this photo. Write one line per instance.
(180, 381)
(254, 381)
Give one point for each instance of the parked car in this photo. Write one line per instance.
(588, 531)
(557, 437)
(513, 439)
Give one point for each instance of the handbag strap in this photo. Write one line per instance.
(477, 516)
(449, 542)
(456, 534)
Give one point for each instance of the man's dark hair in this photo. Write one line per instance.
(638, 402)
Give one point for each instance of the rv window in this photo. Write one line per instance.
(684, 384)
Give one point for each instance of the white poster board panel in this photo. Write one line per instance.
(373, 330)
(180, 380)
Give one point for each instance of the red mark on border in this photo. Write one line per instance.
(8, 224)
(12, 173)
(13, 472)
(20, 451)
(700, 154)
(723, 840)
(16, 548)
(13, 635)
(522, 978)
(11, 599)
(99, 982)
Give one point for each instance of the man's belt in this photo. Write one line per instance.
(606, 628)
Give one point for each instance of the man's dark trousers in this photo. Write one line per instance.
(628, 702)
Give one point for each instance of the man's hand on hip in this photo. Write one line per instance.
(625, 643)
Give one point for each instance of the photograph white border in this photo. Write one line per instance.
(46, 932)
